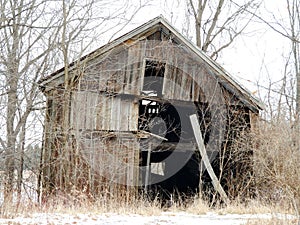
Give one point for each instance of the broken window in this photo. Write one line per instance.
(153, 78)
(158, 168)
(148, 110)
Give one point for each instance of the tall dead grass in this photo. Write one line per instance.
(277, 163)
(276, 156)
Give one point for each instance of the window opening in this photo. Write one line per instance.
(153, 78)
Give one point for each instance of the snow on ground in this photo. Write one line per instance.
(132, 219)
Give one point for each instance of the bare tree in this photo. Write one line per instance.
(25, 49)
(219, 23)
(288, 26)
(32, 36)
(294, 36)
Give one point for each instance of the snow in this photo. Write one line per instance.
(174, 218)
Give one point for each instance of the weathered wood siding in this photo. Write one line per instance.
(186, 78)
(114, 158)
(99, 111)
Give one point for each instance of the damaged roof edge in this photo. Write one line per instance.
(218, 68)
(144, 27)
(104, 48)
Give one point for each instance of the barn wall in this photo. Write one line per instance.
(121, 72)
(109, 90)
(99, 111)
(114, 157)
(92, 160)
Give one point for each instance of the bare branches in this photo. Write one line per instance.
(273, 25)
(290, 29)
(218, 25)
(212, 27)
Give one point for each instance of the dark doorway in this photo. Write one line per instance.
(177, 153)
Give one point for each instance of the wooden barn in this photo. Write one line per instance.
(118, 119)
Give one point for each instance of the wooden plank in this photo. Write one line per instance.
(124, 114)
(146, 134)
(136, 163)
(99, 115)
(172, 85)
(148, 168)
(87, 112)
(185, 87)
(178, 147)
(72, 111)
(189, 80)
(130, 163)
(132, 166)
(134, 115)
(178, 83)
(165, 81)
(80, 108)
(94, 110)
(119, 113)
(91, 105)
(196, 92)
(115, 114)
(200, 142)
(106, 112)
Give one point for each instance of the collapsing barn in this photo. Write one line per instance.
(118, 121)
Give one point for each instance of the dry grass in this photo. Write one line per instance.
(59, 206)
(144, 207)
(273, 221)
(276, 164)
(253, 207)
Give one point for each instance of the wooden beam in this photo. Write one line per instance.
(171, 146)
(199, 139)
(148, 169)
(145, 134)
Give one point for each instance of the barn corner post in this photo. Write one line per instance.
(240, 142)
(72, 164)
(58, 156)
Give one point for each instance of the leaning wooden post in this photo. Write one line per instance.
(148, 169)
(199, 140)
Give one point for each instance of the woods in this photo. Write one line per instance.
(33, 33)
(40, 37)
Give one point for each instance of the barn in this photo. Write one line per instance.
(118, 119)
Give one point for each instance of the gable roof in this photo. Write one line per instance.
(226, 79)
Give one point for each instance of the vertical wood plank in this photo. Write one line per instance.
(201, 146)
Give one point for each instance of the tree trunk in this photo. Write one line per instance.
(11, 141)
(20, 164)
(12, 101)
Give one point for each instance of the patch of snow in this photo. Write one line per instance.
(165, 218)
